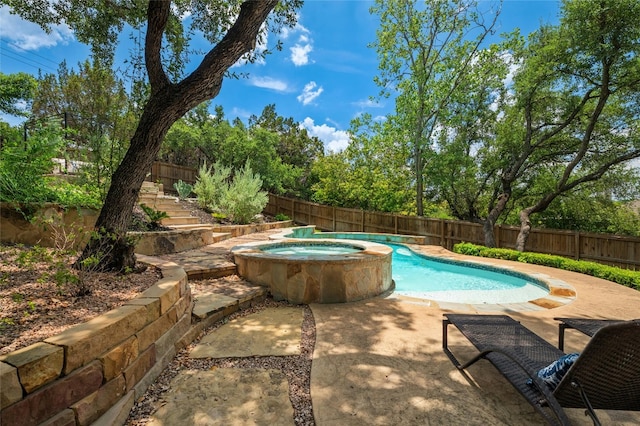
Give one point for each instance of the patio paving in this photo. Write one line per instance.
(226, 396)
(380, 361)
(272, 332)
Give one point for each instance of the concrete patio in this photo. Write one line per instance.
(380, 361)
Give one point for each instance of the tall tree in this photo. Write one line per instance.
(97, 112)
(464, 170)
(425, 50)
(294, 147)
(576, 101)
(232, 28)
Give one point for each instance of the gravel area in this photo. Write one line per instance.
(297, 368)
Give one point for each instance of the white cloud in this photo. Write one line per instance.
(29, 36)
(269, 83)
(240, 113)
(334, 140)
(368, 103)
(309, 94)
(380, 118)
(285, 32)
(304, 45)
(300, 54)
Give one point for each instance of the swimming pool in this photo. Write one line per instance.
(427, 278)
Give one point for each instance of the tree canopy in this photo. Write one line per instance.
(16, 93)
(232, 28)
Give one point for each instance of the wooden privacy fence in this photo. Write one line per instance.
(168, 174)
(609, 249)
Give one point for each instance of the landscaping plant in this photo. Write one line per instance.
(244, 199)
(210, 186)
(155, 216)
(625, 277)
(183, 189)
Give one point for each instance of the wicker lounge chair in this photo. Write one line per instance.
(605, 376)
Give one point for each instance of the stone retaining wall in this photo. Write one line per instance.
(93, 372)
(175, 241)
(17, 229)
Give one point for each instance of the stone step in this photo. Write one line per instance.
(160, 203)
(221, 236)
(210, 304)
(173, 211)
(180, 220)
(167, 201)
(146, 190)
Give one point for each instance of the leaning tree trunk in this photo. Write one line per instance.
(525, 229)
(492, 217)
(110, 245)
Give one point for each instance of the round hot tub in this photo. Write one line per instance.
(314, 271)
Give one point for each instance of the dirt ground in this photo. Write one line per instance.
(40, 295)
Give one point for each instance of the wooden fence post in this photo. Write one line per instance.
(333, 226)
(498, 236)
(362, 220)
(395, 223)
(442, 234)
(293, 211)
(577, 242)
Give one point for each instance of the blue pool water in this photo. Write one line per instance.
(425, 278)
(311, 249)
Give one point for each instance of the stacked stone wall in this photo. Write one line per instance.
(93, 372)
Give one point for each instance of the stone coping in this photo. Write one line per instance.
(94, 371)
(368, 248)
(252, 228)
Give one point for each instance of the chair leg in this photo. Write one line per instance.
(445, 343)
(589, 411)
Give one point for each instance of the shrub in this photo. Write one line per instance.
(282, 217)
(69, 195)
(22, 166)
(211, 185)
(625, 277)
(183, 189)
(244, 198)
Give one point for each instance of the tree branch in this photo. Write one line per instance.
(157, 17)
(240, 39)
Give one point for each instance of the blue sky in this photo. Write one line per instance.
(323, 77)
